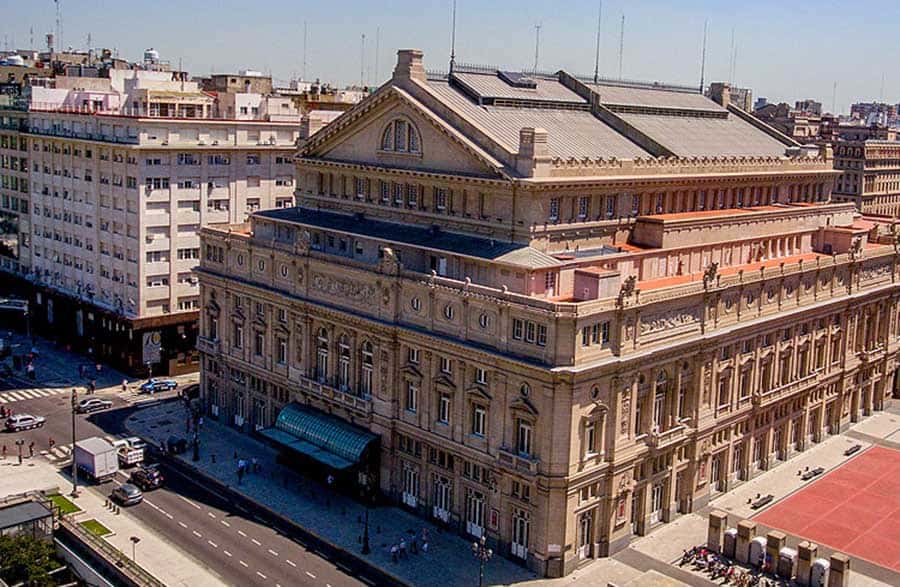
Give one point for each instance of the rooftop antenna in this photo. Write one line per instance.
(881, 92)
(89, 42)
(834, 98)
(731, 61)
(31, 38)
(703, 56)
(362, 61)
(621, 44)
(59, 42)
(537, 45)
(597, 55)
(303, 70)
(181, 73)
(377, 49)
(453, 36)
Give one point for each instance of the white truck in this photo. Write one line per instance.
(129, 455)
(96, 458)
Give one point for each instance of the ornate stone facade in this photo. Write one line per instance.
(560, 356)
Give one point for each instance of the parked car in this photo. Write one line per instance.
(92, 404)
(147, 478)
(154, 385)
(24, 422)
(127, 494)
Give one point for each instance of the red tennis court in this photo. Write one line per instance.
(854, 509)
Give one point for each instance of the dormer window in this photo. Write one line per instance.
(400, 137)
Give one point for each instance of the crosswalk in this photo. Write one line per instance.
(8, 397)
(61, 453)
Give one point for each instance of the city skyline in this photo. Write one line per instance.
(778, 58)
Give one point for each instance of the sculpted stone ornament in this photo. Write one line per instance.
(856, 249)
(627, 290)
(710, 275)
(301, 246)
(358, 292)
(667, 320)
(389, 263)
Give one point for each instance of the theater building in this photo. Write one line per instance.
(570, 312)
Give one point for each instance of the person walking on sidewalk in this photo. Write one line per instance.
(402, 547)
(124, 385)
(31, 449)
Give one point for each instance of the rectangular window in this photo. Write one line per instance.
(252, 158)
(530, 331)
(440, 199)
(444, 409)
(610, 206)
(238, 336)
(398, 194)
(446, 365)
(412, 195)
(584, 207)
(282, 351)
(554, 209)
(541, 335)
(258, 344)
(523, 438)
(412, 396)
(413, 355)
(480, 376)
(635, 205)
(479, 419)
(385, 192)
(518, 329)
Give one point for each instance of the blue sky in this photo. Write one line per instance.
(785, 50)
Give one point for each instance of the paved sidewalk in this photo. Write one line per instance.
(154, 553)
(333, 517)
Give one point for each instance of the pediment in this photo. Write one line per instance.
(523, 404)
(445, 381)
(411, 369)
(238, 315)
(355, 137)
(479, 391)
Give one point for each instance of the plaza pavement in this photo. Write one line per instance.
(154, 553)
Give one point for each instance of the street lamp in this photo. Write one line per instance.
(483, 554)
(366, 483)
(74, 465)
(134, 541)
(20, 443)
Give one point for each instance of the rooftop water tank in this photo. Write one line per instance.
(151, 55)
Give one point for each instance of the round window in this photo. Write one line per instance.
(284, 271)
(240, 259)
(415, 304)
(595, 392)
(484, 320)
(525, 390)
(448, 312)
(261, 265)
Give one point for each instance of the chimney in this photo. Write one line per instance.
(534, 154)
(720, 93)
(409, 65)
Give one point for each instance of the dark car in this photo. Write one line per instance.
(154, 385)
(147, 478)
(176, 445)
(92, 404)
(127, 494)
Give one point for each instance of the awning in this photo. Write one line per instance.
(323, 437)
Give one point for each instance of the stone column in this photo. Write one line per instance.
(806, 554)
(718, 522)
(746, 532)
(774, 543)
(839, 575)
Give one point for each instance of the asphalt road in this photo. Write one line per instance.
(234, 544)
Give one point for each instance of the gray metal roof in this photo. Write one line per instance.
(22, 513)
(94, 445)
(469, 246)
(489, 85)
(687, 136)
(650, 98)
(571, 133)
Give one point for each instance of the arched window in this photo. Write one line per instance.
(400, 136)
(322, 355)
(343, 363)
(367, 356)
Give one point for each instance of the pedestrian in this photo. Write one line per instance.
(424, 535)
(330, 481)
(200, 423)
(51, 443)
(31, 449)
(394, 550)
(255, 467)
(81, 371)
(92, 386)
(402, 548)
(124, 385)
(414, 545)
(99, 368)
(4, 451)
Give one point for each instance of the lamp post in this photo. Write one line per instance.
(134, 541)
(74, 466)
(483, 554)
(20, 443)
(366, 494)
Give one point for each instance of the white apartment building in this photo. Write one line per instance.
(123, 173)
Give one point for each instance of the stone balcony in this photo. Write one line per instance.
(773, 395)
(662, 440)
(515, 462)
(208, 345)
(361, 405)
(871, 355)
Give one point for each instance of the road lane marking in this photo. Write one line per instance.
(188, 501)
(241, 532)
(261, 575)
(243, 564)
(272, 552)
(311, 576)
(226, 524)
(3, 400)
(182, 524)
(290, 563)
(197, 534)
(255, 541)
(213, 544)
(211, 515)
(226, 553)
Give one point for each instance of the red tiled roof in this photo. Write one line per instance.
(662, 282)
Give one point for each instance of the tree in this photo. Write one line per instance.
(26, 559)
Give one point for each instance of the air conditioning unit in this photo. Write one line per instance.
(271, 140)
(150, 238)
(201, 142)
(165, 143)
(215, 142)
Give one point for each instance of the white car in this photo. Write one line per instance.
(24, 422)
(135, 442)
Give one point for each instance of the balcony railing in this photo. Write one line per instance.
(516, 462)
(767, 397)
(666, 438)
(334, 395)
(208, 345)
